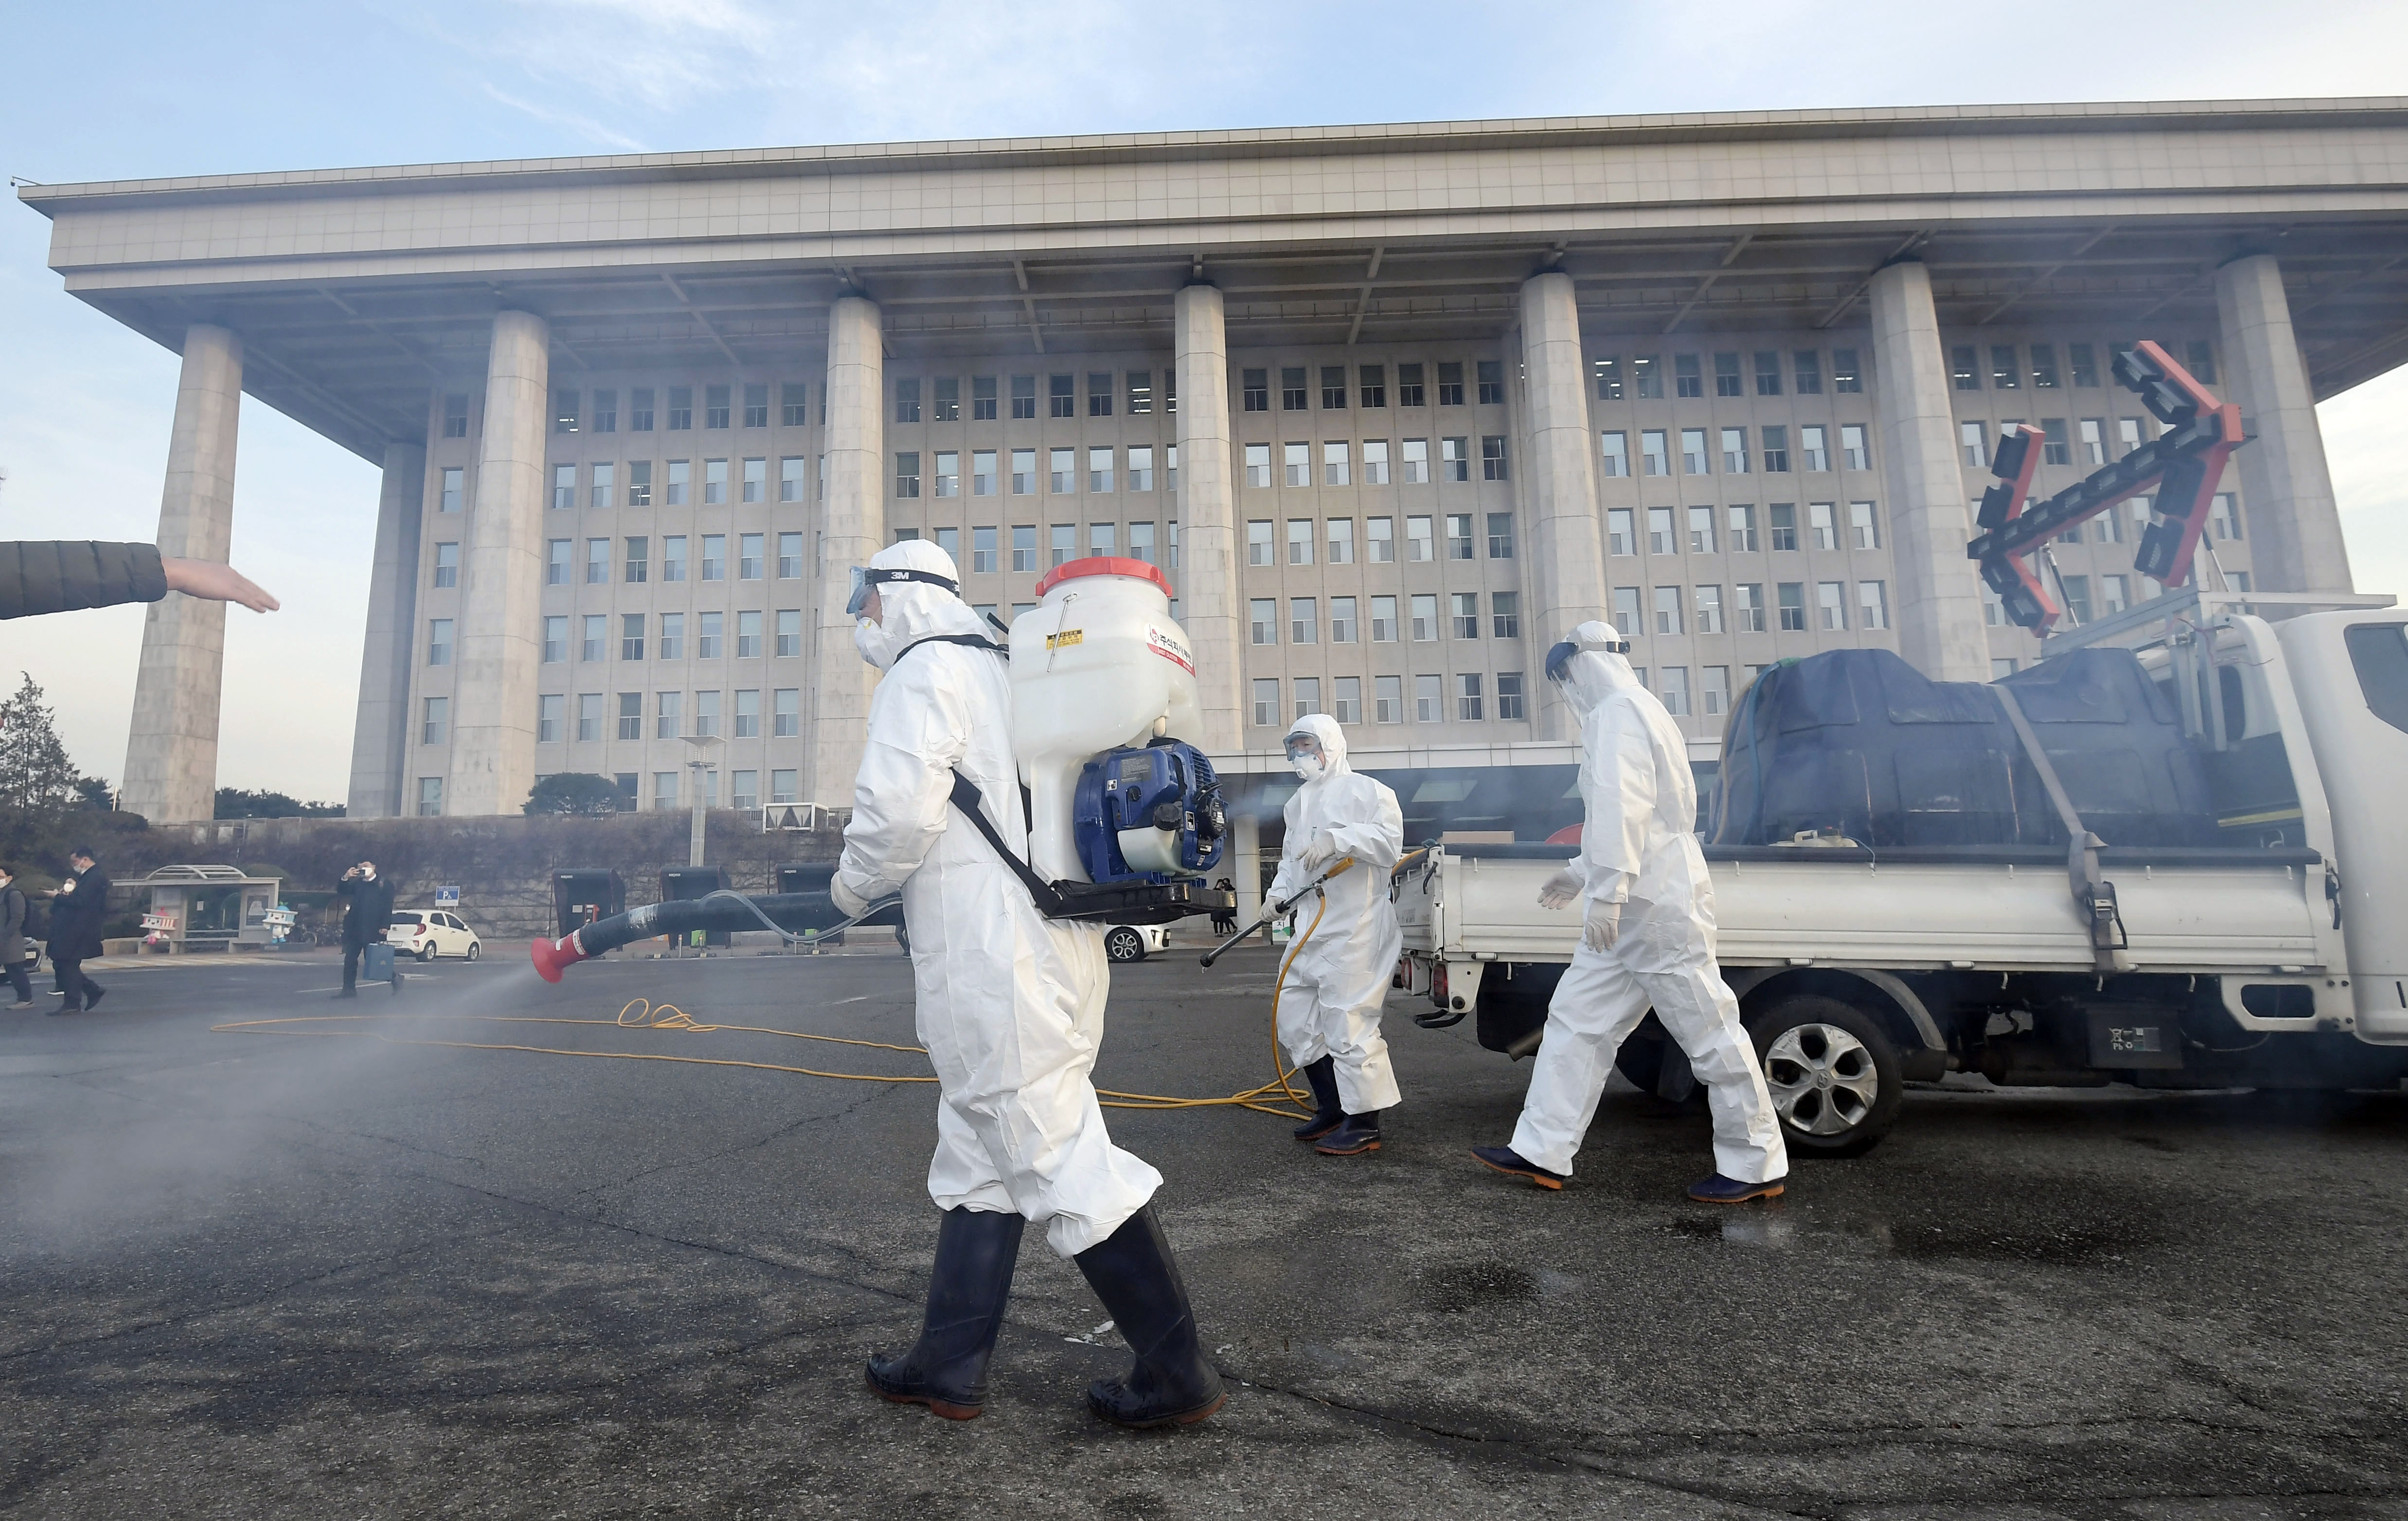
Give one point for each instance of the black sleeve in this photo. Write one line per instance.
(38, 575)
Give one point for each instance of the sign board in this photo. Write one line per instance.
(790, 816)
(163, 922)
(447, 897)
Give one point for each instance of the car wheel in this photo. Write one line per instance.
(1834, 1073)
(474, 949)
(1125, 944)
(426, 952)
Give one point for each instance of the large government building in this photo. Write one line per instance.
(1394, 406)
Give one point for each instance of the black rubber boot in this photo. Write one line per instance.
(1170, 1383)
(1358, 1134)
(946, 1368)
(1328, 1113)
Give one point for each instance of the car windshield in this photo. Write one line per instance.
(405, 921)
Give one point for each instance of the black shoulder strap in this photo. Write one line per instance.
(966, 796)
(974, 642)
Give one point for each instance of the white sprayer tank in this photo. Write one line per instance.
(1096, 664)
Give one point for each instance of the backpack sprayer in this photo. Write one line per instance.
(1125, 821)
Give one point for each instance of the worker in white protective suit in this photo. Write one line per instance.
(1337, 979)
(1009, 1006)
(1647, 937)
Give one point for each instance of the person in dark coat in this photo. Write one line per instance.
(77, 915)
(370, 911)
(38, 575)
(12, 937)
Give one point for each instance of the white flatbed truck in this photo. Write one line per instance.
(2278, 961)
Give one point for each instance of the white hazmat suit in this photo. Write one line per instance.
(1009, 1004)
(1648, 914)
(1338, 981)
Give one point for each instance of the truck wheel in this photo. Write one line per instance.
(1125, 944)
(1835, 1074)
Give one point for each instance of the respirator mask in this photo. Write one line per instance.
(1305, 758)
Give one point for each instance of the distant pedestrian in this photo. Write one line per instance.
(77, 915)
(365, 921)
(13, 909)
(1225, 920)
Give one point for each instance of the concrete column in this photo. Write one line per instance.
(380, 733)
(1245, 849)
(852, 529)
(499, 641)
(2291, 519)
(1938, 600)
(1566, 546)
(171, 752)
(1209, 610)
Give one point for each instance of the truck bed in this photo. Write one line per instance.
(2007, 908)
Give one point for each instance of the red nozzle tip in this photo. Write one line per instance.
(551, 955)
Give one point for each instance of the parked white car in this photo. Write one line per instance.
(428, 933)
(1135, 942)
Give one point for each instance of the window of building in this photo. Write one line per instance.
(1259, 465)
(1258, 541)
(1408, 386)
(706, 714)
(1653, 451)
(672, 642)
(1812, 447)
(714, 482)
(1342, 627)
(673, 557)
(1646, 376)
(1383, 620)
(1418, 538)
(1297, 461)
(1846, 378)
(1099, 392)
(631, 715)
(446, 561)
(555, 638)
(589, 717)
(1458, 535)
(2004, 373)
(1255, 389)
(434, 716)
(1668, 610)
(1701, 530)
(1872, 605)
(455, 415)
(668, 714)
(1333, 388)
(1608, 372)
(1337, 466)
(1734, 442)
(906, 399)
(1674, 690)
(2077, 597)
(1380, 539)
(1505, 614)
(1740, 519)
(1293, 393)
(639, 565)
(1339, 537)
(786, 714)
(1375, 459)
(1467, 698)
(1307, 696)
(1693, 451)
(1864, 529)
(1140, 467)
(1806, 367)
(1450, 383)
(983, 551)
(1492, 382)
(1501, 536)
(1299, 540)
(1973, 439)
(2057, 446)
(1371, 389)
(715, 406)
(756, 406)
(1262, 620)
(1416, 459)
(1614, 450)
(714, 557)
(631, 636)
(1687, 379)
(1822, 517)
(1099, 470)
(1727, 378)
(1430, 699)
(430, 797)
(2199, 357)
(1792, 597)
(1831, 597)
(450, 498)
(1303, 620)
(1659, 531)
(564, 487)
(1466, 614)
(1625, 612)
(1782, 517)
(1387, 699)
(1267, 700)
(639, 409)
(748, 636)
(551, 718)
(1747, 608)
(1620, 530)
(1060, 543)
(1062, 395)
(1423, 608)
(2082, 359)
(1854, 447)
(1492, 456)
(680, 475)
(1024, 548)
(2114, 598)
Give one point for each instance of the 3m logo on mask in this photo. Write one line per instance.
(1169, 648)
(1066, 639)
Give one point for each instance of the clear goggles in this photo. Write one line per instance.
(1301, 745)
(868, 579)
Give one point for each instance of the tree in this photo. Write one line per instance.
(93, 791)
(579, 794)
(34, 771)
(246, 803)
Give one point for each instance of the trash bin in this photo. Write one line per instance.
(581, 895)
(691, 882)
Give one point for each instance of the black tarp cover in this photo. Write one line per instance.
(1857, 741)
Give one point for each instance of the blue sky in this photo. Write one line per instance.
(126, 91)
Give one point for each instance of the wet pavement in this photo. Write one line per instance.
(298, 1273)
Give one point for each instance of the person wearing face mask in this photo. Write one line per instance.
(1647, 939)
(369, 913)
(1337, 981)
(1009, 1006)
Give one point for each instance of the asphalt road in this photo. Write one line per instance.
(249, 1275)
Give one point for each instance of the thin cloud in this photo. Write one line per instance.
(574, 122)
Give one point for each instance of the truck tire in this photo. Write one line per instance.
(1835, 1074)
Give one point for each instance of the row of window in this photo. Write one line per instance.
(2057, 440)
(638, 632)
(1666, 609)
(1729, 452)
(744, 794)
(2007, 371)
(598, 717)
(1469, 700)
(1643, 380)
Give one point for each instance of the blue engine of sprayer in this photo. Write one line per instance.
(1167, 787)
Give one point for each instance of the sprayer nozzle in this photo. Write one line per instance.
(550, 956)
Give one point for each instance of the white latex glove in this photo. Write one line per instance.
(1561, 889)
(1317, 855)
(847, 902)
(1602, 924)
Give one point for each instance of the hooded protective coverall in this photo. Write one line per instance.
(1009, 1003)
(1330, 1005)
(1638, 849)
